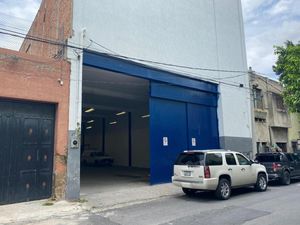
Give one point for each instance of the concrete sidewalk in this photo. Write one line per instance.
(116, 199)
(46, 210)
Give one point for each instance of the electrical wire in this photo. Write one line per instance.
(170, 64)
(56, 42)
(212, 79)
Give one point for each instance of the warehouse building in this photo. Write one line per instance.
(148, 80)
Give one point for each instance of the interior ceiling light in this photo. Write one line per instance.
(89, 110)
(114, 122)
(120, 113)
(89, 127)
(145, 116)
(90, 121)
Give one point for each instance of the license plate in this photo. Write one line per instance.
(187, 173)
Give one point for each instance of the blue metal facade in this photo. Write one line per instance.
(183, 111)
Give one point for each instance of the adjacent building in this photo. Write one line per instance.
(274, 126)
(147, 80)
(294, 132)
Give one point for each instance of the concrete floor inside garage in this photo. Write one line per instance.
(115, 121)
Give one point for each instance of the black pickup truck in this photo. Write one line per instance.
(280, 166)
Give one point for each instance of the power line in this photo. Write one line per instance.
(55, 42)
(170, 64)
(18, 34)
(34, 38)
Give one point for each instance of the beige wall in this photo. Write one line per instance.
(271, 123)
(294, 130)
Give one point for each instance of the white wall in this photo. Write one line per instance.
(206, 33)
(140, 141)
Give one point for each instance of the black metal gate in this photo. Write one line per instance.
(26, 151)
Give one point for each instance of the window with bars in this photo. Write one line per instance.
(258, 98)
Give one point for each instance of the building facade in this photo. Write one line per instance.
(271, 118)
(294, 132)
(158, 77)
(34, 108)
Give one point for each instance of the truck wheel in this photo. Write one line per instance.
(188, 191)
(261, 183)
(223, 191)
(286, 178)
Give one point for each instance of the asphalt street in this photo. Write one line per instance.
(278, 205)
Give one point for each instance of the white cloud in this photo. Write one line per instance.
(280, 7)
(269, 23)
(16, 15)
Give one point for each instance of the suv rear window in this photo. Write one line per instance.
(190, 158)
(268, 158)
(214, 159)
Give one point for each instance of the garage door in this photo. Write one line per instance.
(181, 119)
(26, 151)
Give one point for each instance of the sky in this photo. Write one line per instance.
(266, 22)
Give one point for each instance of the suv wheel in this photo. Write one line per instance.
(188, 191)
(261, 183)
(223, 191)
(286, 178)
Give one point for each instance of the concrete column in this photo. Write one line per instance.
(75, 107)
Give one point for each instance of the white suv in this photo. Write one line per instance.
(217, 170)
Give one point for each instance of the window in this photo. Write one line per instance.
(258, 98)
(282, 146)
(214, 159)
(294, 146)
(230, 160)
(260, 120)
(258, 147)
(190, 158)
(268, 158)
(242, 160)
(264, 147)
(279, 102)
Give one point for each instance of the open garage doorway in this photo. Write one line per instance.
(115, 150)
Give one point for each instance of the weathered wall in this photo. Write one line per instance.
(31, 78)
(276, 121)
(52, 22)
(294, 130)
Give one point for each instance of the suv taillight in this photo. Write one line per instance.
(206, 172)
(276, 166)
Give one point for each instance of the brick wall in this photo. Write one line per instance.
(26, 77)
(52, 22)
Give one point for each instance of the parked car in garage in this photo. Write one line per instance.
(96, 158)
(280, 166)
(218, 171)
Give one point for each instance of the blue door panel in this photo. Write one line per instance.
(202, 127)
(168, 119)
(169, 91)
